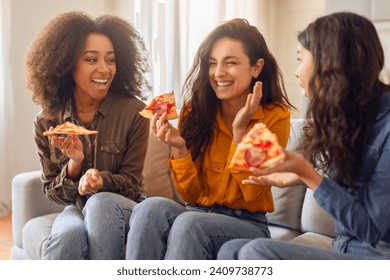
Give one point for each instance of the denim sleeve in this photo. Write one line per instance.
(367, 215)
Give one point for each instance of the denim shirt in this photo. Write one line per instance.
(364, 217)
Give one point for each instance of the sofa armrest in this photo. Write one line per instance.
(28, 201)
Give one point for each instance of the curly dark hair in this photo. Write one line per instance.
(52, 57)
(200, 101)
(348, 58)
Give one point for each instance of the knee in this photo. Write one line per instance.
(107, 204)
(154, 207)
(71, 234)
(190, 219)
(230, 249)
(257, 249)
(186, 222)
(100, 200)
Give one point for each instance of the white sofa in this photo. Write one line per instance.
(297, 217)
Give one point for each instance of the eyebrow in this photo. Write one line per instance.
(227, 57)
(95, 52)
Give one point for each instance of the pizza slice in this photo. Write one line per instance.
(69, 128)
(259, 148)
(164, 103)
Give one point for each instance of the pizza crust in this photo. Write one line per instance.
(146, 114)
(70, 129)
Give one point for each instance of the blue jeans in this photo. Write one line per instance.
(344, 248)
(161, 228)
(97, 232)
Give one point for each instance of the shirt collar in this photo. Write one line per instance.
(70, 110)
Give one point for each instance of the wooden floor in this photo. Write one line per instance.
(5, 236)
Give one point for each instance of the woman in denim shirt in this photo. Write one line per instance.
(346, 138)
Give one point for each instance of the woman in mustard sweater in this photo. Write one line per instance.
(233, 84)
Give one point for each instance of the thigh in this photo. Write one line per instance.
(229, 250)
(268, 249)
(69, 220)
(106, 211)
(150, 225)
(197, 235)
(107, 218)
(220, 226)
(68, 238)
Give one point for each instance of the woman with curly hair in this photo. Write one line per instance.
(346, 138)
(90, 72)
(233, 84)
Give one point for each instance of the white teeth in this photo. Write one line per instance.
(224, 84)
(103, 81)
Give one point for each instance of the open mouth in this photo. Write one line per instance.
(223, 84)
(100, 82)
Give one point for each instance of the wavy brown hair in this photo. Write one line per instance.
(200, 108)
(52, 57)
(348, 58)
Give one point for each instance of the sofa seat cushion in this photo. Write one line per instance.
(315, 240)
(35, 235)
(283, 233)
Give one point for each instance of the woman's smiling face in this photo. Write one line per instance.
(230, 72)
(95, 68)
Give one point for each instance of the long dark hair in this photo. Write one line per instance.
(348, 58)
(200, 102)
(52, 58)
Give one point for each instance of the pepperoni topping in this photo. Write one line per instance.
(255, 156)
(264, 145)
(159, 108)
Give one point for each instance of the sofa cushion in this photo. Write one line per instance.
(283, 233)
(157, 178)
(288, 207)
(28, 201)
(314, 218)
(314, 240)
(295, 134)
(35, 235)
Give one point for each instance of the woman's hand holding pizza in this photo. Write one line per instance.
(294, 169)
(70, 146)
(90, 182)
(166, 133)
(244, 115)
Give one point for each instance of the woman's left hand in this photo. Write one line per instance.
(90, 182)
(244, 115)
